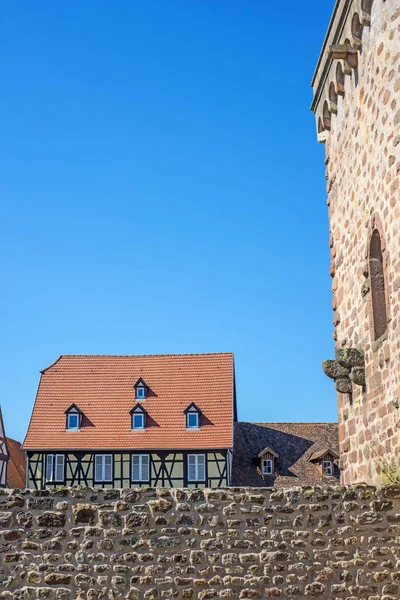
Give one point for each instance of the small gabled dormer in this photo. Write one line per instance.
(325, 460)
(138, 415)
(193, 414)
(267, 459)
(73, 418)
(140, 389)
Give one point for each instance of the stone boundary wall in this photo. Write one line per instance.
(311, 542)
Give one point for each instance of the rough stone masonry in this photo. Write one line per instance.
(311, 542)
(357, 106)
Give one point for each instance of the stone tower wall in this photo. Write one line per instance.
(357, 107)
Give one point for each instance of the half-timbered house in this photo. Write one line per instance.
(129, 421)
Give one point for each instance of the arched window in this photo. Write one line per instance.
(339, 79)
(377, 285)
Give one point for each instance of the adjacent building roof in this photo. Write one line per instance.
(103, 389)
(16, 469)
(295, 444)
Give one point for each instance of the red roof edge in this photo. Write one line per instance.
(34, 404)
(52, 364)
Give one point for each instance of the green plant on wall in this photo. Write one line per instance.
(390, 470)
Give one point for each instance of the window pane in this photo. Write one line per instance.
(49, 467)
(108, 467)
(98, 467)
(72, 421)
(59, 471)
(192, 420)
(145, 467)
(201, 467)
(135, 468)
(137, 421)
(192, 467)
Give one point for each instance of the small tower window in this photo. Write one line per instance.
(327, 467)
(74, 418)
(377, 285)
(192, 416)
(140, 390)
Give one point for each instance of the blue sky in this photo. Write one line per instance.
(163, 191)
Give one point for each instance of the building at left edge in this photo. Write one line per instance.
(12, 460)
(133, 421)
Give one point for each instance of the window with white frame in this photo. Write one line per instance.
(138, 421)
(196, 467)
(140, 467)
(55, 468)
(267, 466)
(192, 420)
(141, 392)
(72, 420)
(103, 467)
(327, 467)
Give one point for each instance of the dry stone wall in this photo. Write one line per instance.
(312, 542)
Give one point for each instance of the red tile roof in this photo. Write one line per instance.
(16, 468)
(103, 388)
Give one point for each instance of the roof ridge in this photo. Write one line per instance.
(149, 355)
(134, 356)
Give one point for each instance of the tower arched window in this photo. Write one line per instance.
(377, 277)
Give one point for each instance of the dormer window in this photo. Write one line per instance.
(267, 459)
(325, 461)
(192, 413)
(74, 418)
(138, 414)
(140, 389)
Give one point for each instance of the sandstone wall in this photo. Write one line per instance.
(322, 542)
(363, 172)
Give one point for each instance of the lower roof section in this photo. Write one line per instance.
(294, 443)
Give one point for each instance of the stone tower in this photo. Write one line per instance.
(356, 101)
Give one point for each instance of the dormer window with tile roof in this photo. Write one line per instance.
(325, 461)
(140, 389)
(267, 461)
(138, 415)
(193, 414)
(74, 418)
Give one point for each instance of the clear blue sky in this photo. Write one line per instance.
(163, 191)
